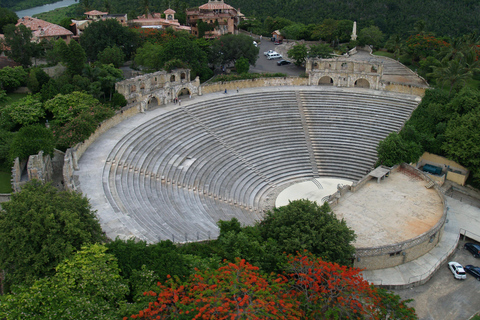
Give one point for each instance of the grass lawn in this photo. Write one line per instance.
(13, 97)
(5, 183)
(383, 54)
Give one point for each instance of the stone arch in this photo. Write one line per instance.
(362, 83)
(183, 76)
(184, 91)
(153, 101)
(325, 81)
(172, 78)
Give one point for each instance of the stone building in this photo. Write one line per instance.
(220, 17)
(342, 72)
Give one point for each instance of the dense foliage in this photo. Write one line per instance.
(39, 227)
(442, 17)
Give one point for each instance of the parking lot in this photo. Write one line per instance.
(270, 66)
(444, 297)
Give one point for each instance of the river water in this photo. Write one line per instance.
(47, 7)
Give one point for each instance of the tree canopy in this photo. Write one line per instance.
(39, 227)
(304, 225)
(108, 33)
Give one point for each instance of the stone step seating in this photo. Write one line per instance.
(141, 161)
(345, 134)
(179, 173)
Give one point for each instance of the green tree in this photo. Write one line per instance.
(451, 73)
(25, 111)
(242, 65)
(396, 45)
(85, 286)
(162, 258)
(108, 33)
(36, 79)
(30, 140)
(299, 53)
(234, 47)
(327, 31)
(304, 225)
(12, 78)
(370, 36)
(321, 50)
(7, 17)
(39, 227)
(462, 141)
(394, 150)
(75, 58)
(65, 107)
(112, 55)
(21, 49)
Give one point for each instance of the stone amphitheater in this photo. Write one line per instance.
(173, 172)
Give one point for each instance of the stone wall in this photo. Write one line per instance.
(39, 167)
(72, 155)
(342, 72)
(157, 88)
(252, 83)
(17, 173)
(403, 88)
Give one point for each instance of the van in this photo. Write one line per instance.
(274, 55)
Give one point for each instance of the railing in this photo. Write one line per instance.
(466, 233)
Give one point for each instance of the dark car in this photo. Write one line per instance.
(473, 248)
(283, 62)
(474, 271)
(278, 41)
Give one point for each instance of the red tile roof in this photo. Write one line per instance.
(169, 11)
(41, 28)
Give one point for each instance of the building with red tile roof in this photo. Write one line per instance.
(221, 17)
(45, 30)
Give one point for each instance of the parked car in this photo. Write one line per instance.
(457, 270)
(274, 56)
(255, 43)
(279, 42)
(473, 248)
(266, 53)
(283, 62)
(474, 271)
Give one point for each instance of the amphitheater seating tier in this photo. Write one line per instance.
(178, 174)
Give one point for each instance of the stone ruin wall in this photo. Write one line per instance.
(160, 87)
(38, 167)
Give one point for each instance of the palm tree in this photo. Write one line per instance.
(451, 72)
(396, 45)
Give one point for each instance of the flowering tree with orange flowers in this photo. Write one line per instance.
(310, 289)
(331, 291)
(234, 291)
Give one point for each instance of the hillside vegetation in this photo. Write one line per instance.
(443, 17)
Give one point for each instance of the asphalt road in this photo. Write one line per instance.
(270, 66)
(443, 297)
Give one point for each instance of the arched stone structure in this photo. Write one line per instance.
(325, 81)
(344, 73)
(158, 88)
(362, 83)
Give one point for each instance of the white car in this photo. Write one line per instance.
(266, 53)
(255, 43)
(457, 270)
